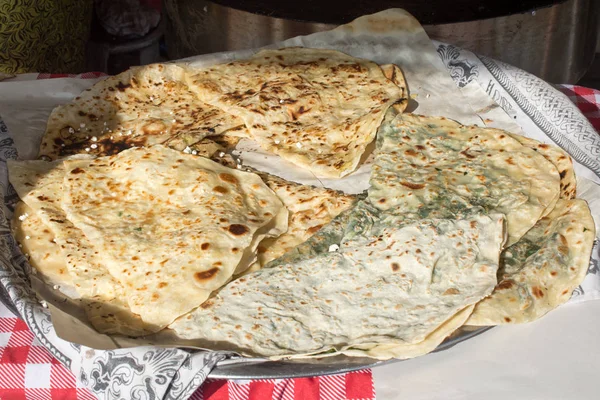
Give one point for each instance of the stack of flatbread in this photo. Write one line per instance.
(110, 200)
(137, 209)
(151, 229)
(461, 225)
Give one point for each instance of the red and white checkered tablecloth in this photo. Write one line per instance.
(586, 99)
(29, 372)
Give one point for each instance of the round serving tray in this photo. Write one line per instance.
(541, 110)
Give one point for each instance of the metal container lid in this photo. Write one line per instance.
(427, 12)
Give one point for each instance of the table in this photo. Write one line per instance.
(553, 358)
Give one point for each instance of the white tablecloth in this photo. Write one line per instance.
(556, 357)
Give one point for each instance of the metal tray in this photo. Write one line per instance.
(257, 368)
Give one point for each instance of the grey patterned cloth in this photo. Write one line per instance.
(167, 373)
(542, 112)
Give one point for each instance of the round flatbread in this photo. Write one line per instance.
(540, 271)
(435, 167)
(139, 107)
(316, 108)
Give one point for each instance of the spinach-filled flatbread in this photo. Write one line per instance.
(435, 167)
(540, 271)
(386, 290)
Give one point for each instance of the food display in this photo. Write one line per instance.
(138, 210)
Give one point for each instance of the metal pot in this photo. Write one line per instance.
(556, 43)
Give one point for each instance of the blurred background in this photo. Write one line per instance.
(555, 39)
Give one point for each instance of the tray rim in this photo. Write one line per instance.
(241, 368)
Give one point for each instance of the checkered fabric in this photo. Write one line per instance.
(587, 100)
(352, 386)
(27, 370)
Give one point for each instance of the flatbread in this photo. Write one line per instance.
(540, 271)
(139, 107)
(36, 240)
(405, 351)
(332, 234)
(561, 160)
(310, 208)
(435, 167)
(394, 73)
(391, 284)
(39, 185)
(171, 227)
(316, 108)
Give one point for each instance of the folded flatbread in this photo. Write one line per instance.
(330, 237)
(561, 160)
(389, 285)
(171, 227)
(37, 242)
(540, 271)
(151, 229)
(139, 107)
(40, 187)
(435, 167)
(316, 108)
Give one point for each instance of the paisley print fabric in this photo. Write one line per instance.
(44, 35)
